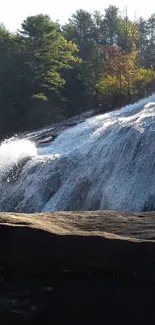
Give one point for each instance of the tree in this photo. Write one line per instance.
(35, 60)
(111, 20)
(48, 53)
(80, 29)
(49, 72)
(150, 37)
(142, 42)
(122, 77)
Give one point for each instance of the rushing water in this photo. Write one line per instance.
(106, 162)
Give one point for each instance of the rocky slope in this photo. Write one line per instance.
(76, 267)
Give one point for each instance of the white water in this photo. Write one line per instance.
(106, 162)
(13, 151)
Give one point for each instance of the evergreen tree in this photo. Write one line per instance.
(49, 72)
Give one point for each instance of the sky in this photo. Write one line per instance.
(13, 12)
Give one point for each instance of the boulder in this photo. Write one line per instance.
(74, 267)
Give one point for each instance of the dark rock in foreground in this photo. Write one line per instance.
(77, 267)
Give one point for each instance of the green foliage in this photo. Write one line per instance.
(47, 52)
(121, 74)
(108, 85)
(35, 60)
(49, 72)
(143, 77)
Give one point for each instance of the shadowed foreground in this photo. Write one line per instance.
(77, 267)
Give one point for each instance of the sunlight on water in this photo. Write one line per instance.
(14, 150)
(106, 162)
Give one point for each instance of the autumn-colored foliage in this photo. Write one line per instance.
(121, 73)
(49, 71)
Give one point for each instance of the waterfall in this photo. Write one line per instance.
(105, 162)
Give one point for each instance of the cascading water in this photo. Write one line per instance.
(106, 162)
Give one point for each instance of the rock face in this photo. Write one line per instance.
(75, 267)
(77, 240)
(104, 162)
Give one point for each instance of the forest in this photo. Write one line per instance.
(49, 71)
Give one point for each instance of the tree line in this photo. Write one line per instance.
(49, 71)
